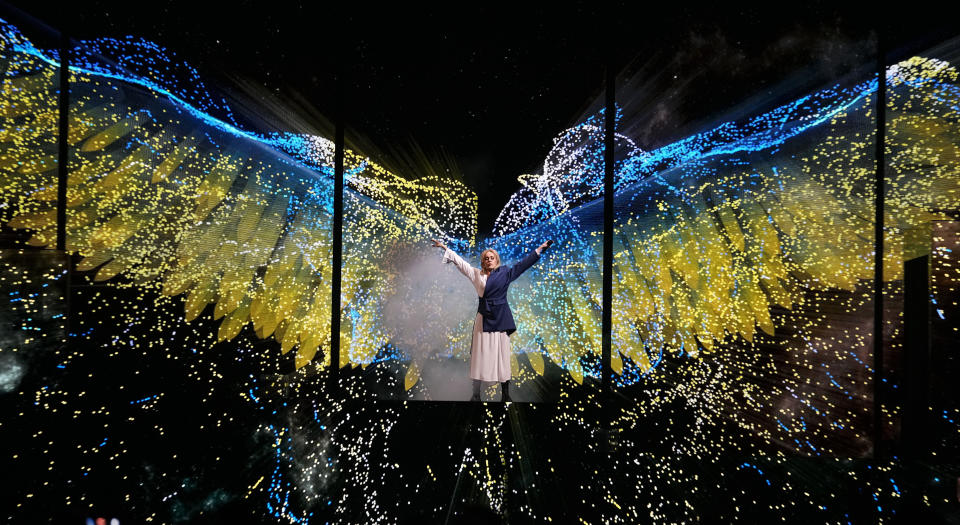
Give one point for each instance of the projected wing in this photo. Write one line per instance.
(172, 198)
(713, 233)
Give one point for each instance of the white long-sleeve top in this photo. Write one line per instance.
(475, 275)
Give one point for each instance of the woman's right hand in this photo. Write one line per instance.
(438, 244)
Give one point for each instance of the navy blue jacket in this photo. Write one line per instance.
(493, 306)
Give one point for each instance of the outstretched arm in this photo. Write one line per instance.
(450, 256)
(518, 269)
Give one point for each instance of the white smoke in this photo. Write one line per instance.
(11, 372)
(430, 318)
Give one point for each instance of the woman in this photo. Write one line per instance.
(490, 349)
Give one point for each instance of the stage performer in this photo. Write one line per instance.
(490, 349)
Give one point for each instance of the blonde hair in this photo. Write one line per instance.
(495, 254)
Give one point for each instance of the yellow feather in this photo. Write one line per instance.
(36, 220)
(732, 227)
(412, 376)
(290, 338)
(41, 164)
(86, 122)
(269, 323)
(252, 211)
(112, 133)
(197, 300)
(112, 268)
(233, 323)
(640, 357)
(114, 232)
(615, 362)
(280, 331)
(43, 238)
(346, 338)
(22, 95)
(177, 281)
(233, 289)
(180, 152)
(576, 373)
(536, 362)
(214, 187)
(90, 262)
(305, 354)
(124, 178)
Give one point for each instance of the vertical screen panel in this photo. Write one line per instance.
(920, 247)
(33, 277)
(198, 283)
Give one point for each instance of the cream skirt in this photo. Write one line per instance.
(490, 354)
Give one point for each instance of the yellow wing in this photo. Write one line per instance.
(705, 250)
(167, 196)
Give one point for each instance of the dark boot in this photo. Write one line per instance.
(505, 387)
(476, 390)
